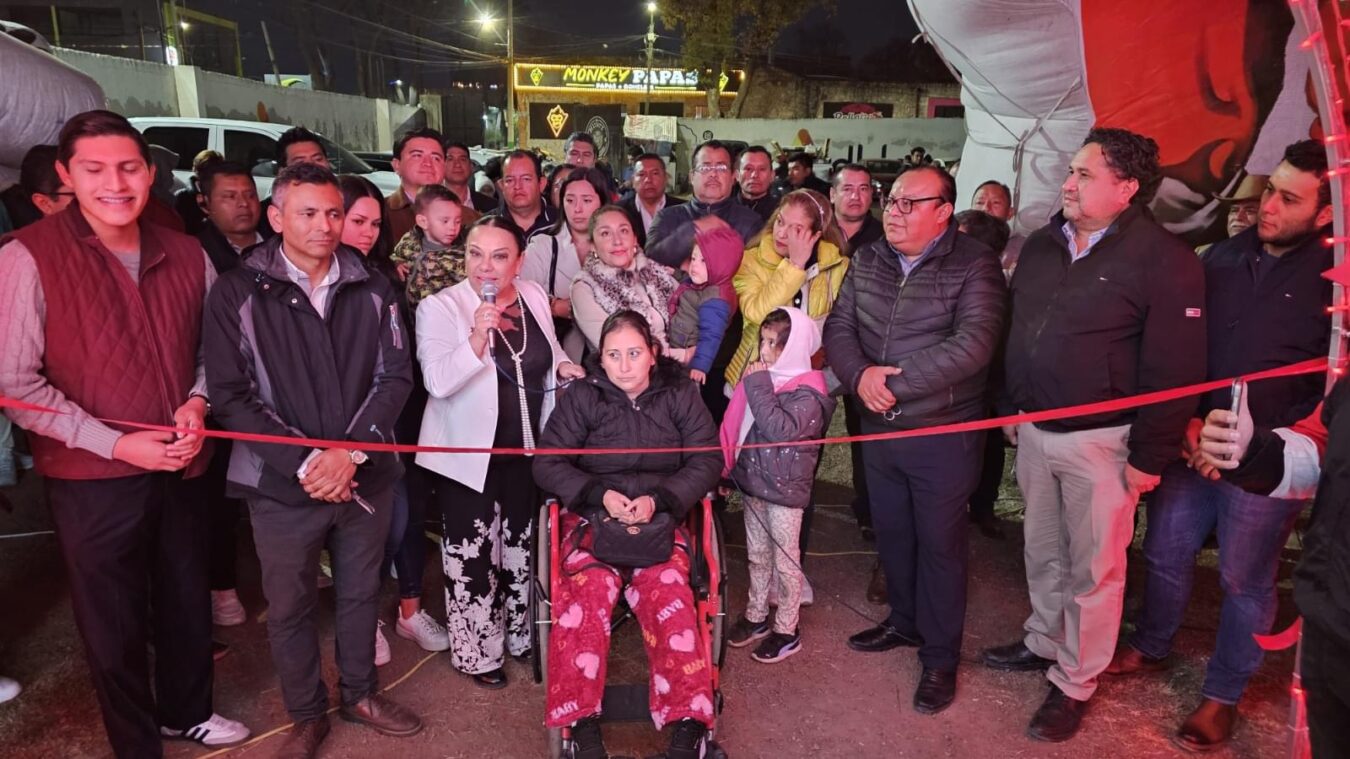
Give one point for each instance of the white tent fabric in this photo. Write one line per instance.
(38, 93)
(1024, 88)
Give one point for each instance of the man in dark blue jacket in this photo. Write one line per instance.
(303, 340)
(1106, 304)
(1267, 303)
(913, 333)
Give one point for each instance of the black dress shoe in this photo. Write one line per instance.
(883, 637)
(936, 691)
(1015, 657)
(494, 680)
(1058, 718)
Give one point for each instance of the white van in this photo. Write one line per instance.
(251, 143)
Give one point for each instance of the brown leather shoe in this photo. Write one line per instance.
(1128, 661)
(383, 716)
(876, 587)
(1208, 728)
(304, 739)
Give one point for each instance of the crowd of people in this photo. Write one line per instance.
(566, 315)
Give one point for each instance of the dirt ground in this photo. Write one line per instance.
(827, 701)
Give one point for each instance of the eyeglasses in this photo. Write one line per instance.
(905, 205)
(55, 195)
(712, 168)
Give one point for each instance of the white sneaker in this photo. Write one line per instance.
(426, 631)
(382, 654)
(9, 689)
(226, 611)
(216, 731)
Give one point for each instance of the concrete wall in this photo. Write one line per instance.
(133, 88)
(944, 138)
(137, 88)
(776, 94)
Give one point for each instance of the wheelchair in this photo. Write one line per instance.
(628, 702)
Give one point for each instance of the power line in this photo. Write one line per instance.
(472, 54)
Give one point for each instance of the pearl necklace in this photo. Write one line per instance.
(517, 357)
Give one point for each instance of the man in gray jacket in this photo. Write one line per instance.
(913, 334)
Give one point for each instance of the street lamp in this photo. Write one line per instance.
(486, 21)
(651, 40)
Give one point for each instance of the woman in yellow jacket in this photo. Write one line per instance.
(799, 260)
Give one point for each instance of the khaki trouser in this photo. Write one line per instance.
(1079, 524)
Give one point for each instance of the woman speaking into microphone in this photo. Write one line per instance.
(491, 361)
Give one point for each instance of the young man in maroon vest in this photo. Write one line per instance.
(102, 321)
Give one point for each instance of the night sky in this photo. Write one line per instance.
(546, 29)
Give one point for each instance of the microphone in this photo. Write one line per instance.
(489, 293)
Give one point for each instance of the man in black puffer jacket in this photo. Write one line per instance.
(913, 333)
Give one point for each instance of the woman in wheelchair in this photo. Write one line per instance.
(634, 398)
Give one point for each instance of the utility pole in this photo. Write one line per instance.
(267, 38)
(511, 74)
(651, 40)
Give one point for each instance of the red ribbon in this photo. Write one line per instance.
(1310, 366)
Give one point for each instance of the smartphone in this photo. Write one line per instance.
(1235, 405)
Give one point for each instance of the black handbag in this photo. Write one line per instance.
(634, 545)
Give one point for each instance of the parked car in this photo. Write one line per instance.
(251, 143)
(883, 171)
(378, 160)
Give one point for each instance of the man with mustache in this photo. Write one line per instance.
(1105, 304)
(521, 190)
(229, 199)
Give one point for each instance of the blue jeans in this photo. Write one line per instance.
(407, 544)
(1252, 532)
(9, 473)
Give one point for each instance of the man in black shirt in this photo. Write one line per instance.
(1106, 304)
(754, 182)
(851, 195)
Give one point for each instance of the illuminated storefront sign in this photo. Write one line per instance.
(555, 77)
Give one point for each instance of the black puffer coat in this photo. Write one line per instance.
(594, 413)
(940, 325)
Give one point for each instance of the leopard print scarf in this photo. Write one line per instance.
(637, 288)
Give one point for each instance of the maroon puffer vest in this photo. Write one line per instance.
(117, 350)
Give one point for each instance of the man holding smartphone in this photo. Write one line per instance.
(1266, 301)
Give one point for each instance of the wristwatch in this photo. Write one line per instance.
(358, 457)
